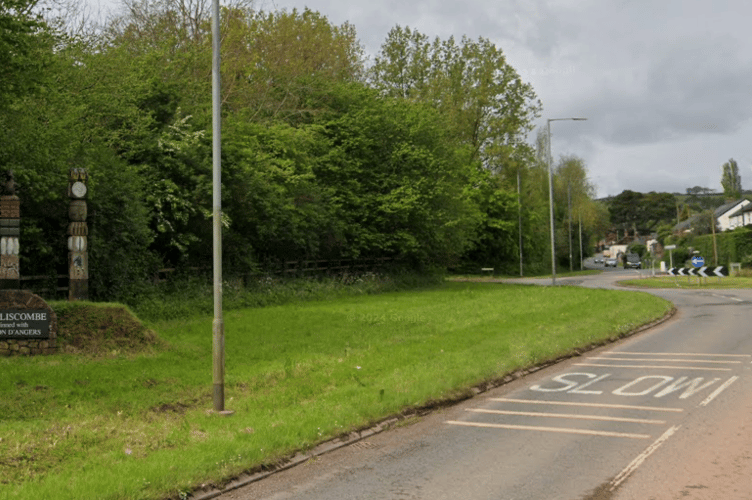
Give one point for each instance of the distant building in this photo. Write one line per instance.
(726, 215)
(741, 217)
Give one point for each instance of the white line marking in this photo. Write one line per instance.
(591, 405)
(718, 391)
(550, 429)
(725, 297)
(568, 415)
(629, 469)
(653, 366)
(677, 354)
(673, 360)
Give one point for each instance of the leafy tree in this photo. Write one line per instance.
(275, 63)
(399, 182)
(26, 44)
(731, 180)
(470, 83)
(645, 212)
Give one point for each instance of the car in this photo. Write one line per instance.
(598, 260)
(632, 261)
(610, 262)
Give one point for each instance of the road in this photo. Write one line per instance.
(660, 415)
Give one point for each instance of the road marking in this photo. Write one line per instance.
(629, 469)
(568, 415)
(590, 405)
(672, 359)
(718, 391)
(706, 368)
(561, 430)
(676, 354)
(726, 297)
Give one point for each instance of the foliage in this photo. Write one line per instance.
(397, 179)
(320, 160)
(732, 246)
(490, 108)
(644, 212)
(731, 180)
(26, 48)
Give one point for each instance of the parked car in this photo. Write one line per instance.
(632, 261)
(598, 260)
(610, 262)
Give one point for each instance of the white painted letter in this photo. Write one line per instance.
(568, 384)
(621, 390)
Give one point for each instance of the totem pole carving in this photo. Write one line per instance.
(78, 232)
(10, 230)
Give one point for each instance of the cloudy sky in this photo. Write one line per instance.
(665, 85)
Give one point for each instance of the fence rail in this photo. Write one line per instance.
(46, 279)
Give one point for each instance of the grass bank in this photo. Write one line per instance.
(136, 426)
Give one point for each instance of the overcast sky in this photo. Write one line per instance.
(665, 85)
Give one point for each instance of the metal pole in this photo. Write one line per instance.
(218, 327)
(580, 226)
(551, 197)
(569, 209)
(519, 216)
(551, 206)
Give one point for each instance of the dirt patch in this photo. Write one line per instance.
(101, 330)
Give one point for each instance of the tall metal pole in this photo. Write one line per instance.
(519, 216)
(218, 327)
(569, 217)
(551, 196)
(580, 227)
(551, 205)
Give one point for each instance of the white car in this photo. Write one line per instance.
(610, 263)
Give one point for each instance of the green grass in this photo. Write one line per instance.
(128, 427)
(489, 277)
(690, 283)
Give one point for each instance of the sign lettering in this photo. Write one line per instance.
(24, 324)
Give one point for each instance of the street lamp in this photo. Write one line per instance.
(551, 195)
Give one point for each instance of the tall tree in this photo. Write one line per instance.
(731, 180)
(470, 82)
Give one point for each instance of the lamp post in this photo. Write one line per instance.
(551, 194)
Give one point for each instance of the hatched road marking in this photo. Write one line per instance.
(568, 415)
(561, 430)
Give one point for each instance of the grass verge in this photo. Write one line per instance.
(690, 283)
(136, 426)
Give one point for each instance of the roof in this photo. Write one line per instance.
(724, 209)
(742, 210)
(686, 224)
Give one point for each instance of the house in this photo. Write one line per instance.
(741, 217)
(726, 215)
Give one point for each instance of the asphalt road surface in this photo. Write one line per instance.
(660, 415)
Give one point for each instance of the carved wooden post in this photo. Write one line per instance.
(78, 232)
(10, 230)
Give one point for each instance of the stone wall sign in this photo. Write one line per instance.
(28, 325)
(24, 324)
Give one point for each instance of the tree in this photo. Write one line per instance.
(25, 49)
(731, 180)
(470, 83)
